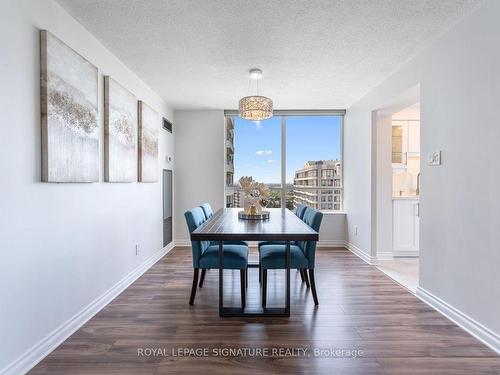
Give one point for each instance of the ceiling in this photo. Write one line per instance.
(315, 54)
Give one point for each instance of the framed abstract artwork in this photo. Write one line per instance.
(120, 133)
(69, 113)
(148, 143)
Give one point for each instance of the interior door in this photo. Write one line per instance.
(167, 207)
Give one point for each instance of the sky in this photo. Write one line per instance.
(257, 146)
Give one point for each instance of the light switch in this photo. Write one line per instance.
(434, 158)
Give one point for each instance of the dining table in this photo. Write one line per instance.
(282, 225)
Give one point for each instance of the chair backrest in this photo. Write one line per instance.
(300, 210)
(207, 210)
(312, 218)
(194, 218)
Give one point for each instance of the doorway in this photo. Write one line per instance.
(405, 162)
(397, 202)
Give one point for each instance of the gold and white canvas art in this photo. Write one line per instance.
(69, 114)
(148, 143)
(120, 133)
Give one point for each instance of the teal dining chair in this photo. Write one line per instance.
(207, 210)
(303, 254)
(299, 212)
(206, 254)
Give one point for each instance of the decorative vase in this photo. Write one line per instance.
(251, 205)
(253, 210)
(246, 204)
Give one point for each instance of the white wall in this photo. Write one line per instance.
(357, 178)
(333, 230)
(63, 245)
(199, 175)
(382, 185)
(199, 161)
(459, 78)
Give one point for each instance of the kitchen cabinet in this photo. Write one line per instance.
(414, 137)
(405, 141)
(406, 226)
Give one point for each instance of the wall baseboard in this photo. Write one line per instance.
(406, 253)
(44, 347)
(480, 332)
(385, 255)
(371, 260)
(331, 243)
(321, 244)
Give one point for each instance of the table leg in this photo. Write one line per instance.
(262, 312)
(221, 278)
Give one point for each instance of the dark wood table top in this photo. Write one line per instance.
(283, 225)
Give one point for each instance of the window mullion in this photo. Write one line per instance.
(283, 162)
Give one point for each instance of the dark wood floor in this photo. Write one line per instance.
(360, 310)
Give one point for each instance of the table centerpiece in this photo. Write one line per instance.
(255, 200)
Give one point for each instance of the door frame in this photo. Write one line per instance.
(381, 199)
(163, 204)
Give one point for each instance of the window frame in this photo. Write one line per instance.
(284, 114)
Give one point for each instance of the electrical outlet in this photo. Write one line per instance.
(355, 230)
(137, 248)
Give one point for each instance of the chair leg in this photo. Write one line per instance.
(306, 278)
(195, 285)
(243, 287)
(301, 271)
(313, 286)
(260, 275)
(246, 277)
(264, 287)
(202, 278)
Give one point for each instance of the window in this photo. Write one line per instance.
(253, 149)
(313, 145)
(303, 171)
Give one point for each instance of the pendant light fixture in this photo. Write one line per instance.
(255, 107)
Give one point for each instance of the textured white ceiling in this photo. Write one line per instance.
(314, 53)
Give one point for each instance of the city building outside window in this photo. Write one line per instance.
(312, 161)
